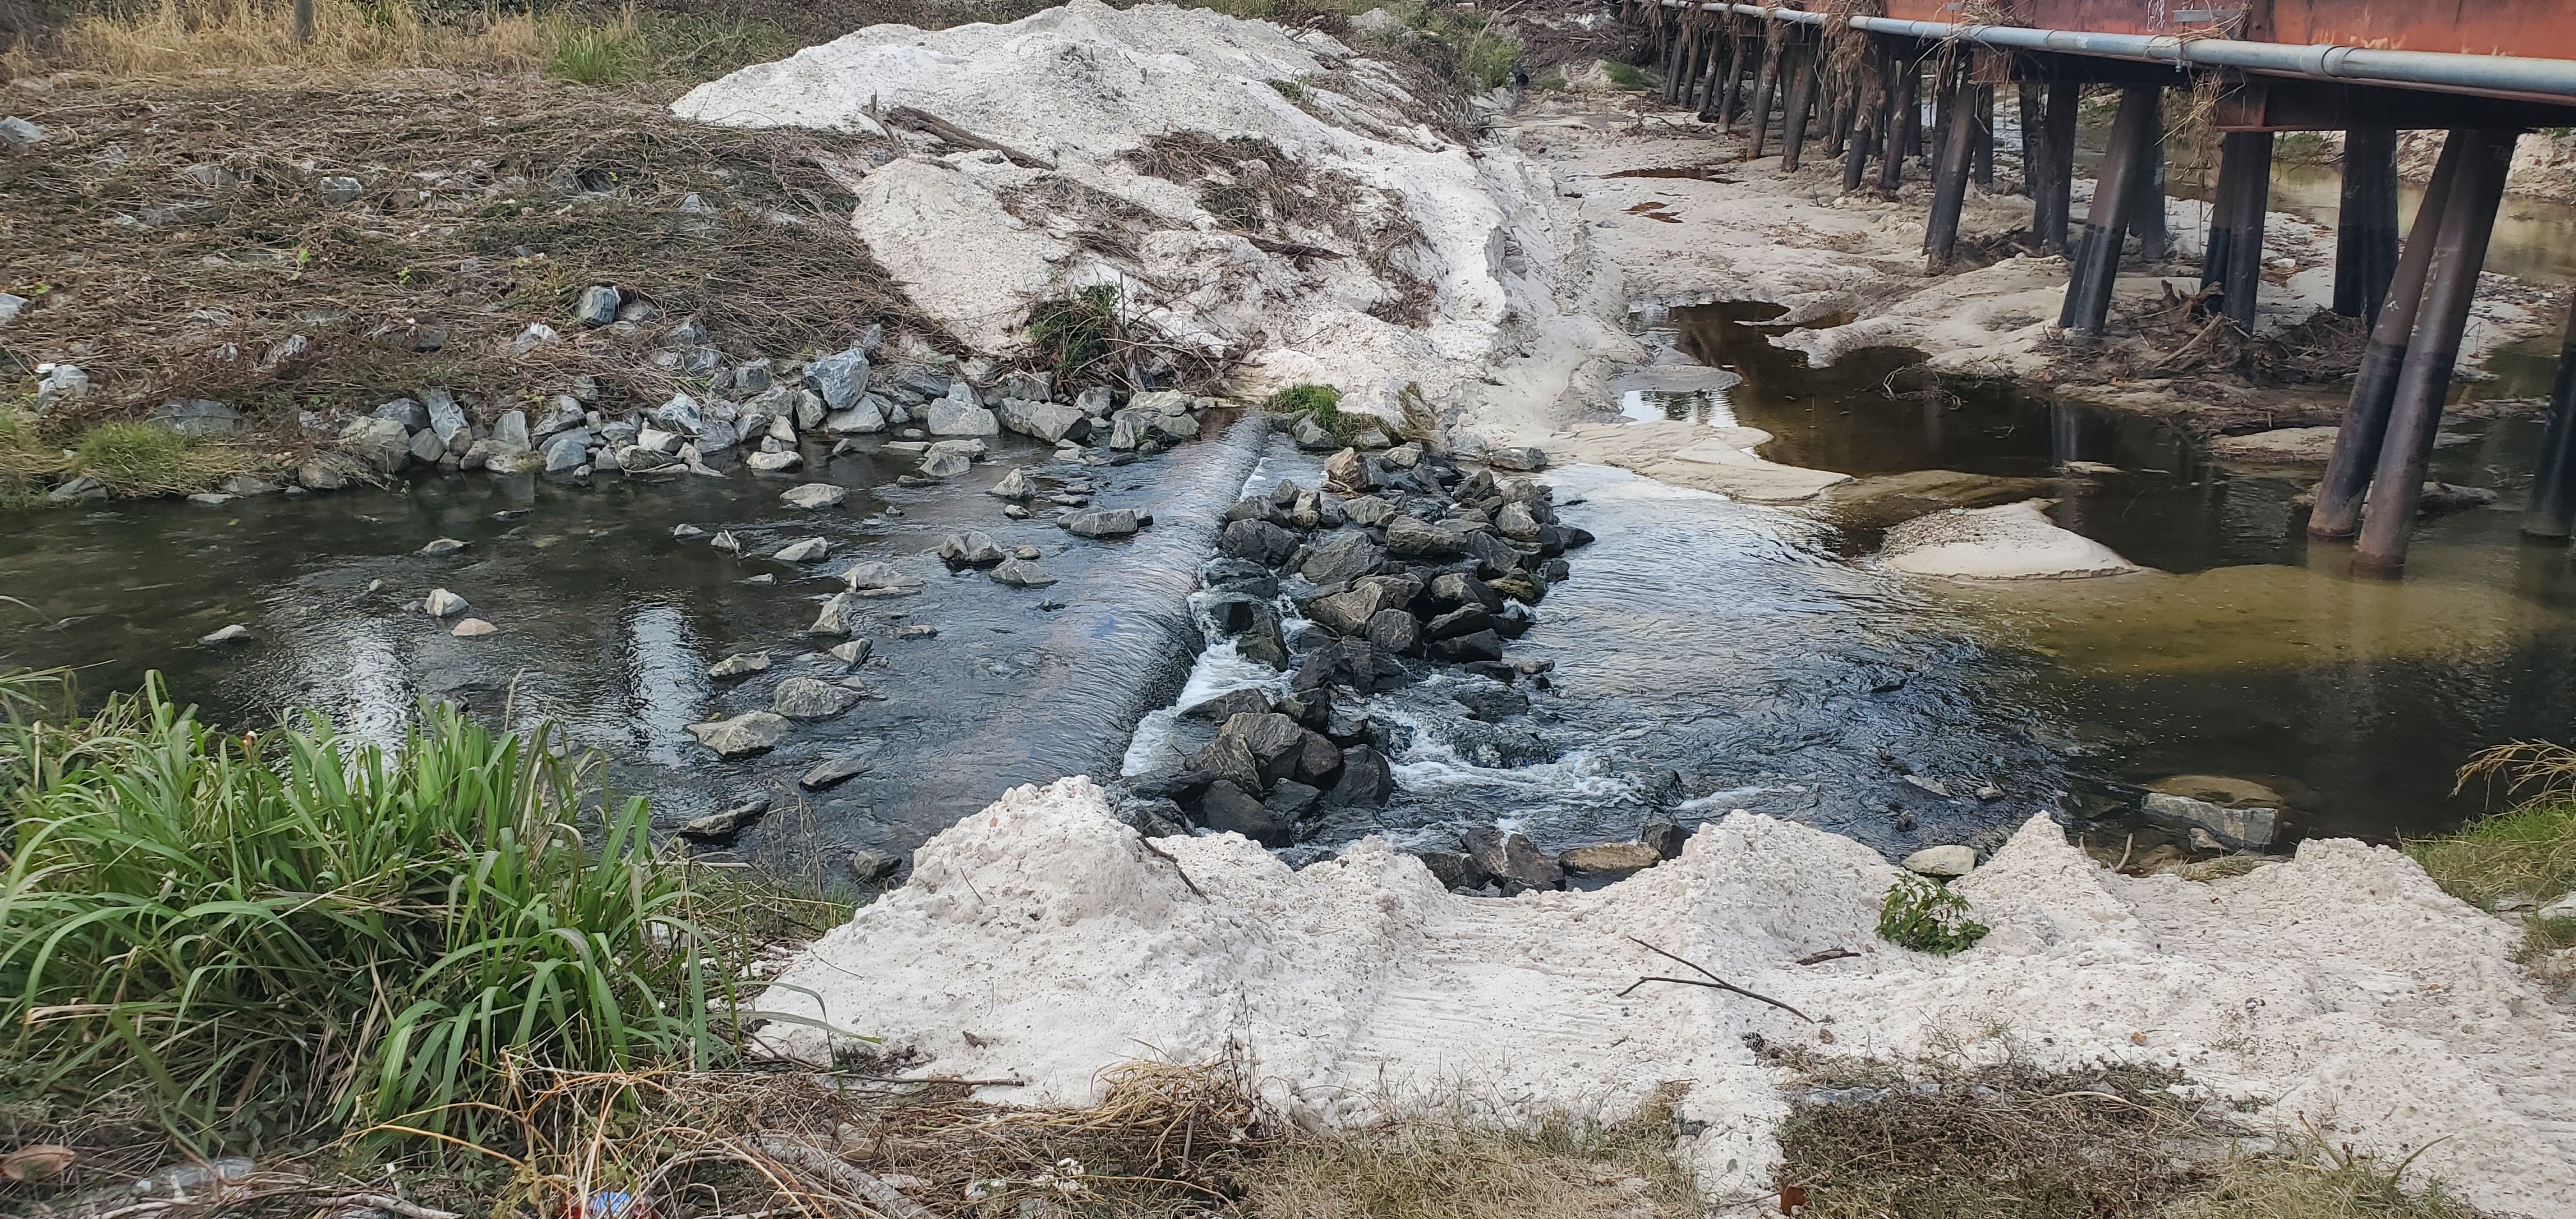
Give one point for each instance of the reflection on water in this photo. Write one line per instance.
(2252, 652)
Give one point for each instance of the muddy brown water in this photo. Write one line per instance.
(2257, 655)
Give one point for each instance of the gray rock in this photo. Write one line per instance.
(637, 459)
(1942, 861)
(441, 603)
(686, 532)
(806, 551)
(1395, 631)
(327, 472)
(1417, 541)
(247, 485)
(1340, 558)
(852, 653)
(716, 435)
(742, 735)
(725, 541)
(804, 698)
(867, 417)
(1028, 386)
(1047, 421)
(11, 305)
(814, 495)
(740, 664)
(502, 459)
(195, 417)
(1369, 510)
(1664, 834)
(1263, 639)
(1462, 649)
(1014, 486)
(1512, 860)
(211, 499)
(1349, 473)
(60, 385)
(235, 633)
(2248, 828)
(834, 771)
(947, 459)
(1366, 780)
(1022, 573)
(81, 489)
(18, 133)
(597, 306)
(340, 190)
(1519, 458)
(839, 615)
(1311, 436)
(1259, 541)
(567, 451)
(440, 546)
(722, 826)
(839, 379)
(1250, 700)
(1228, 809)
(970, 549)
(879, 576)
(380, 443)
(680, 415)
(447, 419)
(752, 377)
(958, 415)
(1101, 523)
(511, 430)
(1348, 612)
(872, 866)
(412, 415)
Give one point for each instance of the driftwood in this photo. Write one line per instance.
(1713, 983)
(913, 118)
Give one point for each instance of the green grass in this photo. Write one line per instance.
(661, 46)
(133, 458)
(1924, 915)
(248, 940)
(1624, 75)
(1322, 403)
(1079, 333)
(2529, 850)
(2305, 1178)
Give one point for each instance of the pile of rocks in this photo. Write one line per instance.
(1401, 562)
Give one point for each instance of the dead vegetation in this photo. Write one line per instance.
(221, 242)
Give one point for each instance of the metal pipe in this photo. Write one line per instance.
(2553, 480)
(1950, 173)
(2241, 277)
(2374, 384)
(2438, 69)
(2106, 226)
(2366, 224)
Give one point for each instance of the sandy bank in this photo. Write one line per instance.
(1041, 940)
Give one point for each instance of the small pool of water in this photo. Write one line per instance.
(2256, 654)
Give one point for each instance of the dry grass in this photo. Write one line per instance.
(2304, 1178)
(1443, 1168)
(486, 204)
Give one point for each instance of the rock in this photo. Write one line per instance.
(597, 305)
(1254, 750)
(804, 698)
(878, 576)
(1348, 612)
(2563, 908)
(868, 416)
(1014, 486)
(412, 415)
(59, 386)
(1414, 540)
(1453, 589)
(447, 419)
(1101, 523)
(473, 628)
(725, 541)
(2246, 828)
(1518, 458)
(211, 499)
(1395, 631)
(942, 462)
(814, 495)
(328, 472)
(686, 532)
(1664, 834)
(1259, 541)
(441, 603)
(1340, 558)
(1944, 861)
(1227, 808)
(1349, 473)
(2228, 790)
(1512, 860)
(916, 631)
(1462, 649)
(1311, 435)
(1291, 801)
(502, 460)
(235, 633)
(381, 443)
(839, 615)
(1250, 700)
(872, 866)
(679, 416)
(806, 551)
(2006, 542)
(637, 459)
(567, 451)
(18, 133)
(958, 415)
(1452, 869)
(246, 485)
(1609, 860)
(853, 653)
(970, 549)
(1519, 586)
(723, 826)
(83, 488)
(511, 430)
(195, 417)
(839, 379)
(1369, 510)
(11, 305)
(1491, 701)
(1366, 780)
(2440, 498)
(1047, 421)
(1022, 573)
(740, 664)
(1515, 522)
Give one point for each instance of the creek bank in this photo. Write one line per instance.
(2340, 988)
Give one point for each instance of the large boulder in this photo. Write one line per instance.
(804, 698)
(1226, 808)
(1514, 862)
(1047, 421)
(1101, 523)
(1418, 541)
(1348, 612)
(839, 379)
(814, 495)
(1341, 557)
(973, 548)
(1259, 541)
(381, 443)
(958, 415)
(1366, 779)
(1254, 750)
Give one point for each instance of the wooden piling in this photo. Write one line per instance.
(2337, 513)
(2147, 212)
(2106, 224)
(2366, 224)
(2415, 417)
(1958, 145)
(1802, 99)
(2553, 482)
(1904, 118)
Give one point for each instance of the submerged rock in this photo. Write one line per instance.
(804, 698)
(1512, 860)
(1610, 860)
(722, 826)
(741, 735)
(814, 495)
(742, 664)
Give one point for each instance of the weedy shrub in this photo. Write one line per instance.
(1079, 333)
(1924, 915)
(256, 937)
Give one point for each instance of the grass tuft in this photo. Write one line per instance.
(1624, 75)
(1322, 403)
(1924, 915)
(1445, 1167)
(2526, 852)
(1079, 334)
(258, 938)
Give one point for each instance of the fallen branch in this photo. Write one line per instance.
(1830, 954)
(865, 1185)
(914, 118)
(1714, 982)
(1159, 853)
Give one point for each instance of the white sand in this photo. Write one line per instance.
(2341, 988)
(2005, 542)
(1521, 316)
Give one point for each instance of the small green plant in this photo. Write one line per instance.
(1289, 89)
(597, 55)
(1624, 75)
(1924, 915)
(133, 458)
(1079, 333)
(1322, 403)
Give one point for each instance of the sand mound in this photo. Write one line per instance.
(2005, 542)
(1040, 940)
(1252, 191)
